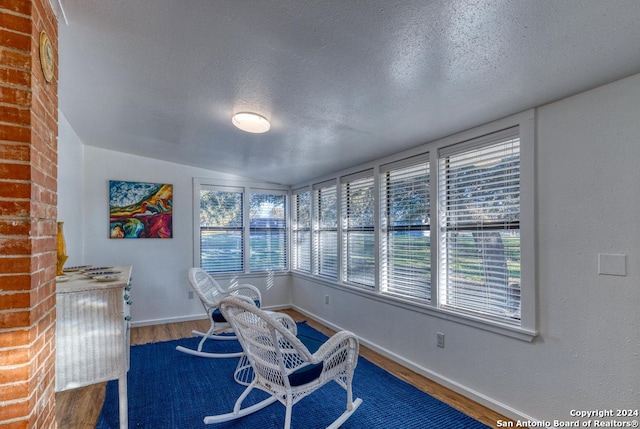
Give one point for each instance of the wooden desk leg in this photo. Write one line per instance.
(123, 401)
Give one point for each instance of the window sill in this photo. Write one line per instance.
(492, 326)
(247, 275)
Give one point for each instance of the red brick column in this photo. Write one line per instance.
(28, 200)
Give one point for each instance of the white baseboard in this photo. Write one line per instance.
(478, 397)
(151, 322)
(189, 318)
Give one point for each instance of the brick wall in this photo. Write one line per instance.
(28, 199)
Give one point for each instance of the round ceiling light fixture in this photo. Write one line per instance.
(251, 122)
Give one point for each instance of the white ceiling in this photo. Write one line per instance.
(342, 81)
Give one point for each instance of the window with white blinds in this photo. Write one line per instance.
(358, 229)
(405, 219)
(479, 197)
(301, 231)
(326, 230)
(448, 227)
(221, 230)
(267, 231)
(240, 228)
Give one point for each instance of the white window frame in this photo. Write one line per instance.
(459, 288)
(391, 283)
(346, 182)
(317, 230)
(525, 122)
(297, 229)
(246, 187)
(286, 230)
(235, 230)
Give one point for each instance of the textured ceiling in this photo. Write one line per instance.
(343, 82)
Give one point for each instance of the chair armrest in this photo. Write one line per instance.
(333, 349)
(286, 321)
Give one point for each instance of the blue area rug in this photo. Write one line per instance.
(172, 390)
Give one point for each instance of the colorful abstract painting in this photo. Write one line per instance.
(140, 210)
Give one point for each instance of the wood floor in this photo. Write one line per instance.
(79, 408)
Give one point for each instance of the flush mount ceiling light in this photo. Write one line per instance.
(251, 122)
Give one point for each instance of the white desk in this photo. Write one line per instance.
(92, 333)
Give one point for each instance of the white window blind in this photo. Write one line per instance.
(326, 230)
(479, 197)
(405, 265)
(301, 231)
(358, 231)
(221, 230)
(267, 231)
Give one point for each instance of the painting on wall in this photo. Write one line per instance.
(140, 210)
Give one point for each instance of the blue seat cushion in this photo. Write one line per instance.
(219, 318)
(310, 372)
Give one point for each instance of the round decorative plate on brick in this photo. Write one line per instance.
(46, 56)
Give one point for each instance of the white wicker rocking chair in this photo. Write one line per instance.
(210, 293)
(283, 366)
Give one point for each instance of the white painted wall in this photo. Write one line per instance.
(71, 189)
(587, 356)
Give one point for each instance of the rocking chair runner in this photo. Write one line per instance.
(210, 293)
(283, 366)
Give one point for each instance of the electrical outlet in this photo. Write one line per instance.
(440, 341)
(190, 294)
(326, 299)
